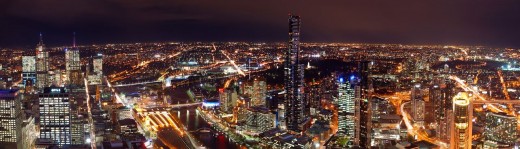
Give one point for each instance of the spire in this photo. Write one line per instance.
(41, 38)
(73, 39)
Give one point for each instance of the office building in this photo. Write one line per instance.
(294, 100)
(42, 65)
(440, 94)
(8, 100)
(73, 66)
(314, 98)
(228, 100)
(96, 76)
(346, 110)
(55, 115)
(363, 93)
(259, 92)
(259, 119)
(418, 105)
(28, 70)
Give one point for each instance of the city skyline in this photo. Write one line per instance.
(152, 94)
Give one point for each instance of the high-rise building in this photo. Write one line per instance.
(55, 115)
(8, 100)
(347, 111)
(42, 65)
(96, 76)
(98, 63)
(363, 93)
(28, 70)
(460, 138)
(228, 100)
(501, 128)
(294, 100)
(440, 94)
(259, 119)
(259, 92)
(418, 105)
(73, 65)
(314, 98)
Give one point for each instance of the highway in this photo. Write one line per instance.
(231, 61)
(417, 131)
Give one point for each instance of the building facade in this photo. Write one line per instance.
(460, 139)
(418, 105)
(73, 66)
(8, 113)
(55, 115)
(42, 65)
(29, 70)
(347, 111)
(501, 128)
(294, 97)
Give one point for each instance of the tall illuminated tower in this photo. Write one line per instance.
(460, 138)
(363, 94)
(42, 65)
(73, 65)
(294, 104)
(347, 121)
(441, 94)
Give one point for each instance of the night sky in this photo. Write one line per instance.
(467, 22)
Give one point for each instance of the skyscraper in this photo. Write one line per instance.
(259, 92)
(8, 100)
(441, 94)
(417, 105)
(73, 65)
(228, 100)
(96, 76)
(294, 100)
(28, 70)
(42, 65)
(461, 139)
(55, 115)
(314, 98)
(363, 93)
(347, 125)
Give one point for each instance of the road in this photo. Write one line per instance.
(90, 120)
(417, 131)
